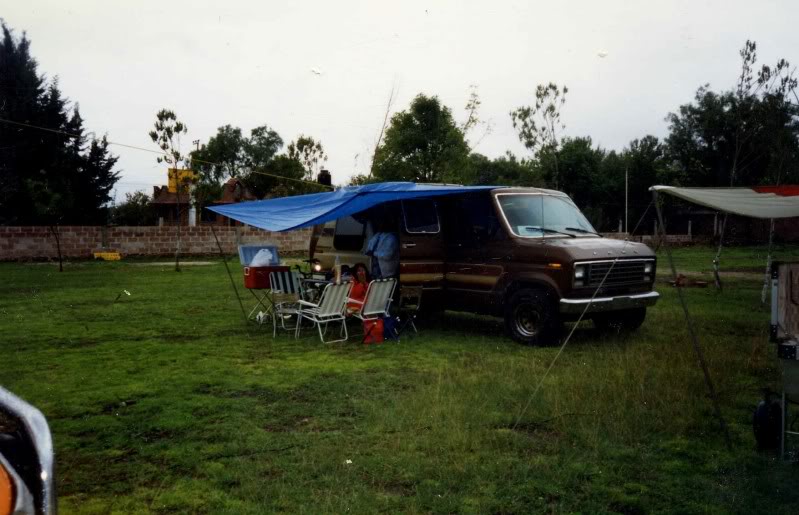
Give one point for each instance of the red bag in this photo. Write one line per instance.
(373, 331)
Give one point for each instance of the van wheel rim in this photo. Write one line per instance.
(527, 320)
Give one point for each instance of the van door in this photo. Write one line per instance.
(473, 237)
(422, 247)
(345, 238)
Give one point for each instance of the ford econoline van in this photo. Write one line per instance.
(525, 254)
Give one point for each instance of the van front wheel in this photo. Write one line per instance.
(530, 318)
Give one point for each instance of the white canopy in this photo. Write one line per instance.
(756, 202)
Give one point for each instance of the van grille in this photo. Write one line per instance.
(623, 273)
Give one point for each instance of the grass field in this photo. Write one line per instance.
(164, 401)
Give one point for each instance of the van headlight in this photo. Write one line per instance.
(648, 268)
(579, 275)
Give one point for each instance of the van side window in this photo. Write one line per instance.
(474, 220)
(349, 234)
(420, 216)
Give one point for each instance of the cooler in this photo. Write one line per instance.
(257, 277)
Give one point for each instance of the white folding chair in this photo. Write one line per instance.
(286, 293)
(375, 304)
(330, 308)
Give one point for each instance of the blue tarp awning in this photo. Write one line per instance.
(288, 213)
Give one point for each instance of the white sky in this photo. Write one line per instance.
(248, 63)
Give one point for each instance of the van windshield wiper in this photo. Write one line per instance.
(548, 230)
(584, 231)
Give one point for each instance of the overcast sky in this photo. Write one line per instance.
(249, 63)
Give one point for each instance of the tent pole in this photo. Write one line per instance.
(767, 278)
(692, 332)
(717, 259)
(232, 283)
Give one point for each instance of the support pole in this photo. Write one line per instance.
(717, 259)
(232, 283)
(692, 332)
(767, 277)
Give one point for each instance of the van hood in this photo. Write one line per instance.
(583, 249)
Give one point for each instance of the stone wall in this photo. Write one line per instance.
(37, 242)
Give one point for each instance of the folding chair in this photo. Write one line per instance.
(376, 302)
(330, 308)
(410, 300)
(286, 292)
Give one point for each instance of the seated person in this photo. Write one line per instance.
(360, 284)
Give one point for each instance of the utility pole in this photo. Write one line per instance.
(196, 144)
(626, 189)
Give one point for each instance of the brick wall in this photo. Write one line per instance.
(19, 243)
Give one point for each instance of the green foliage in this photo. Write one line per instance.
(748, 136)
(423, 144)
(135, 210)
(166, 134)
(309, 153)
(281, 177)
(539, 125)
(164, 401)
(46, 177)
(505, 170)
(222, 157)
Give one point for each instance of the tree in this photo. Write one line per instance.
(505, 170)
(135, 210)
(423, 144)
(745, 136)
(281, 177)
(575, 168)
(310, 153)
(166, 135)
(473, 119)
(230, 154)
(539, 125)
(51, 176)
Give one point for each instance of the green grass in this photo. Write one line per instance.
(164, 401)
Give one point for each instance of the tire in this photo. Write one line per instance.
(618, 321)
(530, 317)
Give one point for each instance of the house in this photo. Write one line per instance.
(233, 191)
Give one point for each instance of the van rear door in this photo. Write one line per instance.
(421, 246)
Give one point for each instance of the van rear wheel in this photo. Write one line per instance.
(530, 318)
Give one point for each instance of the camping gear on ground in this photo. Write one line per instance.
(263, 257)
(259, 262)
(785, 333)
(373, 331)
(376, 302)
(257, 277)
(410, 301)
(286, 290)
(247, 254)
(330, 308)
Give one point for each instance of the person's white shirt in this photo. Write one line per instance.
(384, 246)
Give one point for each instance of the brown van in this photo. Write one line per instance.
(525, 254)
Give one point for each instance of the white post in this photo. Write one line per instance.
(620, 226)
(626, 228)
(689, 229)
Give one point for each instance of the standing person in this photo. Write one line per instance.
(383, 248)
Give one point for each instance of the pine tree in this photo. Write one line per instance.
(46, 177)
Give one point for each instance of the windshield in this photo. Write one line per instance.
(536, 215)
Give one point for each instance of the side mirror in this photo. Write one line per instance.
(27, 483)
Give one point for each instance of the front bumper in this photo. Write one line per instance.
(602, 304)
